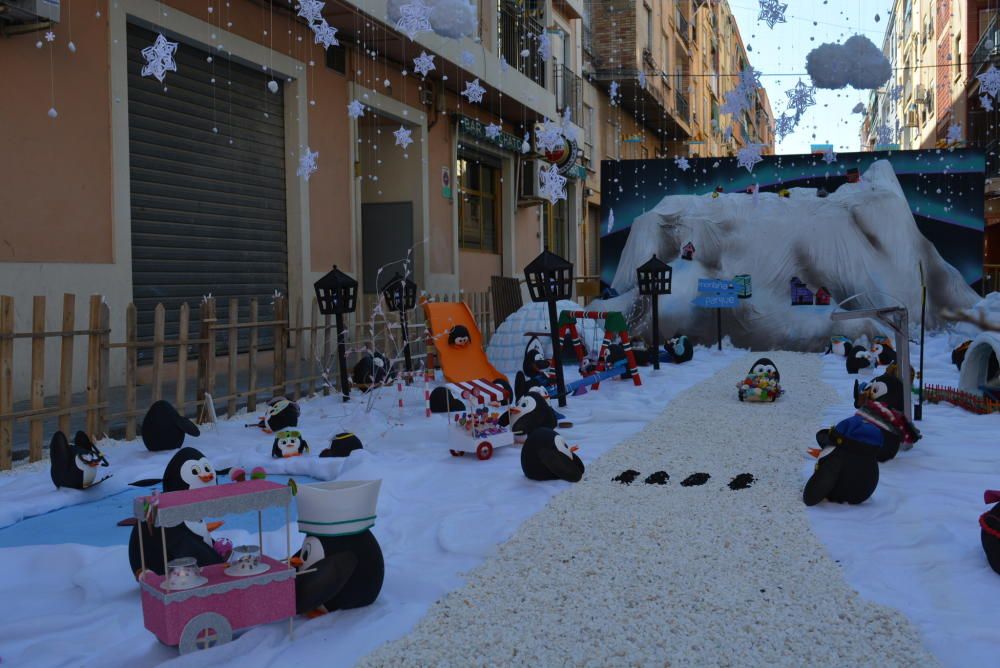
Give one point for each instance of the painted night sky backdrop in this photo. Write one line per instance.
(943, 187)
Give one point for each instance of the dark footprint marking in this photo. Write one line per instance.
(695, 479)
(658, 478)
(626, 477)
(742, 481)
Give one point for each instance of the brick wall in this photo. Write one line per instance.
(614, 29)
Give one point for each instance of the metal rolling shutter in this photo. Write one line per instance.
(208, 216)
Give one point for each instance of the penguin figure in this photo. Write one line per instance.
(372, 369)
(679, 348)
(958, 354)
(857, 359)
(765, 366)
(459, 336)
(443, 401)
(288, 443)
(847, 465)
(532, 411)
(886, 389)
(546, 456)
(989, 529)
(883, 353)
(280, 414)
(342, 445)
(840, 345)
(187, 469)
(75, 466)
(535, 363)
(164, 428)
(349, 571)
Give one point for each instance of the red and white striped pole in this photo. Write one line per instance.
(427, 393)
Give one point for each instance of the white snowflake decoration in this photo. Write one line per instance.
(473, 91)
(784, 126)
(642, 78)
(311, 10)
(989, 81)
(748, 156)
(326, 34)
(883, 135)
(468, 59)
(771, 12)
(569, 132)
(493, 131)
(549, 137)
(734, 103)
(800, 98)
(159, 58)
(414, 18)
(750, 80)
(682, 163)
(613, 92)
(424, 63)
(355, 109)
(986, 102)
(307, 164)
(611, 220)
(955, 133)
(504, 65)
(403, 137)
(896, 92)
(553, 185)
(544, 46)
(526, 145)
(829, 157)
(50, 36)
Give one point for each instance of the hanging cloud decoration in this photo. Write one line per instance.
(449, 18)
(857, 62)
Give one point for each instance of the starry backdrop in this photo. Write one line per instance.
(944, 188)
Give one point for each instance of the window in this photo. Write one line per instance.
(554, 227)
(956, 57)
(478, 205)
(588, 131)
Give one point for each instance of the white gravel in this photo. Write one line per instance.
(608, 574)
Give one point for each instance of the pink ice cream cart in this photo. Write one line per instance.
(194, 608)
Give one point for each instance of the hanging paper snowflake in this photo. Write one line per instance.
(403, 137)
(896, 92)
(414, 18)
(50, 36)
(468, 59)
(771, 12)
(159, 58)
(326, 34)
(544, 46)
(526, 145)
(504, 65)
(784, 126)
(473, 91)
(553, 184)
(493, 131)
(883, 135)
(307, 164)
(424, 63)
(549, 137)
(613, 92)
(955, 133)
(642, 78)
(682, 163)
(735, 102)
(800, 98)
(311, 10)
(829, 157)
(355, 109)
(611, 220)
(989, 81)
(748, 156)
(750, 80)
(568, 130)
(986, 102)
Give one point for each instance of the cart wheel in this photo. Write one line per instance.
(456, 453)
(484, 451)
(741, 395)
(209, 629)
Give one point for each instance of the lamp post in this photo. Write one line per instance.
(401, 296)
(654, 279)
(550, 278)
(337, 294)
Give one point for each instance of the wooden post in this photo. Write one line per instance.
(35, 430)
(156, 379)
(104, 369)
(66, 361)
(252, 358)
(93, 362)
(234, 353)
(314, 333)
(131, 367)
(182, 356)
(6, 380)
(206, 356)
(297, 360)
(280, 343)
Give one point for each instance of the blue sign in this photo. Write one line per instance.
(716, 301)
(719, 285)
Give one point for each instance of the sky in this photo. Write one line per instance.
(782, 51)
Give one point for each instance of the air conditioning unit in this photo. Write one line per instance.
(529, 185)
(18, 12)
(920, 92)
(912, 120)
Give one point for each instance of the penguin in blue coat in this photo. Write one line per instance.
(847, 465)
(679, 349)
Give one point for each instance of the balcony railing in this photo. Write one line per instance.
(982, 56)
(588, 40)
(683, 26)
(569, 92)
(683, 108)
(514, 29)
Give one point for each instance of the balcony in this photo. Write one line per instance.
(683, 26)
(513, 28)
(588, 40)
(683, 108)
(983, 55)
(569, 92)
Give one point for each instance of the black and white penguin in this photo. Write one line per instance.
(342, 445)
(679, 348)
(531, 412)
(765, 366)
(886, 389)
(857, 358)
(164, 428)
(535, 363)
(958, 354)
(989, 529)
(546, 456)
(459, 336)
(288, 443)
(840, 345)
(883, 353)
(280, 414)
(347, 572)
(847, 466)
(373, 368)
(187, 469)
(75, 465)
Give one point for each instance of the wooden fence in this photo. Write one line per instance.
(207, 362)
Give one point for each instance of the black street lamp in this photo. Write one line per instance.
(337, 294)
(401, 296)
(654, 279)
(550, 278)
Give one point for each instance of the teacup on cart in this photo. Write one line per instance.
(195, 607)
(477, 428)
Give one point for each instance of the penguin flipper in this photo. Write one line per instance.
(60, 458)
(185, 425)
(336, 571)
(823, 479)
(561, 466)
(146, 482)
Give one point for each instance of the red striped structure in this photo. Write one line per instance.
(481, 391)
(614, 328)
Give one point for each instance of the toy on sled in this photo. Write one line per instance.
(759, 387)
(477, 428)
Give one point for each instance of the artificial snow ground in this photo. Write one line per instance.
(68, 598)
